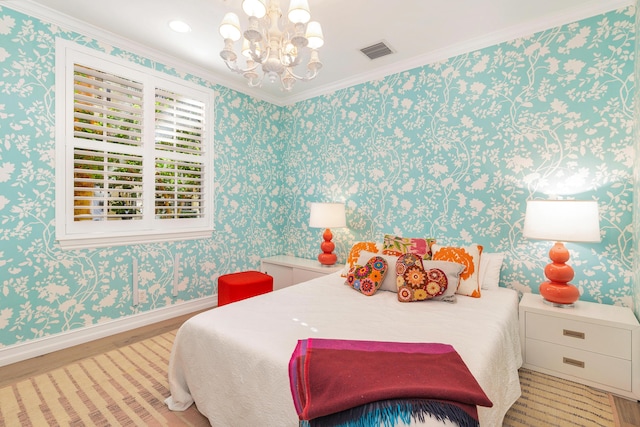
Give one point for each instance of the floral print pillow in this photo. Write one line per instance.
(354, 254)
(469, 256)
(397, 245)
(419, 280)
(368, 278)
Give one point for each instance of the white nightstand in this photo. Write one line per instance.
(593, 344)
(289, 270)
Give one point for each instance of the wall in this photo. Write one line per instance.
(453, 150)
(450, 150)
(44, 290)
(636, 174)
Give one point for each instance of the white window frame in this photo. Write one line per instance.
(147, 228)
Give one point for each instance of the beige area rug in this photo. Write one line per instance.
(124, 387)
(551, 401)
(127, 387)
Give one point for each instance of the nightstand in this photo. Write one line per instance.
(594, 344)
(289, 270)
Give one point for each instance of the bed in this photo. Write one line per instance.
(232, 361)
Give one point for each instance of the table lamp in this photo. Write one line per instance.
(327, 215)
(561, 221)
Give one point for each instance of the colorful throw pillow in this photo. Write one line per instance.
(490, 266)
(354, 254)
(419, 280)
(397, 245)
(389, 282)
(368, 278)
(469, 256)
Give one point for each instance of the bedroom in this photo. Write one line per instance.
(335, 147)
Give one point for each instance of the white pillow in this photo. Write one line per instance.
(389, 281)
(490, 266)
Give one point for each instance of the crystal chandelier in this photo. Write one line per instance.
(277, 51)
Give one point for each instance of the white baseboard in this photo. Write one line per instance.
(40, 346)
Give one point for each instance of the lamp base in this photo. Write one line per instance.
(559, 294)
(327, 260)
(327, 257)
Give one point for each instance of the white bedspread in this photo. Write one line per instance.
(233, 360)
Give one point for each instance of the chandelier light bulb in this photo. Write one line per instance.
(254, 8)
(299, 12)
(230, 27)
(314, 35)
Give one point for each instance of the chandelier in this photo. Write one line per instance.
(276, 51)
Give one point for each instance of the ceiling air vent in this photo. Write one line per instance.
(377, 50)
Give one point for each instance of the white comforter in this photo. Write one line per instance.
(233, 360)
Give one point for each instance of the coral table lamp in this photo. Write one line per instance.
(561, 220)
(327, 215)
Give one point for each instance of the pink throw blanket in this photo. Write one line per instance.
(329, 376)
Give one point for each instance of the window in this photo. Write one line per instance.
(133, 153)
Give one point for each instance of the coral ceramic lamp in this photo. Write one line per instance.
(561, 220)
(327, 215)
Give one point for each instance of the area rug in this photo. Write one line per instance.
(551, 401)
(123, 387)
(127, 387)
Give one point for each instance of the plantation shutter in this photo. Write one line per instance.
(179, 166)
(107, 153)
(133, 152)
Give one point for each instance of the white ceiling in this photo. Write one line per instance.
(420, 31)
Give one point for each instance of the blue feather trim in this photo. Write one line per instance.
(388, 413)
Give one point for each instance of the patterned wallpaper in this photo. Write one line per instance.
(451, 150)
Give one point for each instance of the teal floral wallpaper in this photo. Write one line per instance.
(450, 150)
(453, 150)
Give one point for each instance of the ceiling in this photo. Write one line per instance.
(420, 32)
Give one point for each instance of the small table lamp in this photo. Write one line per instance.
(327, 215)
(561, 220)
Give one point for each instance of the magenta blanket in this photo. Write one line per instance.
(329, 376)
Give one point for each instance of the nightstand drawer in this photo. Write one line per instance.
(605, 340)
(608, 370)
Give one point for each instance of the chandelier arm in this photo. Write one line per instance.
(305, 78)
(234, 67)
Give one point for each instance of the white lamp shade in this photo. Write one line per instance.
(255, 8)
(327, 215)
(562, 220)
(299, 11)
(314, 35)
(230, 27)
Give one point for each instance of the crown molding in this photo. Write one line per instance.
(586, 10)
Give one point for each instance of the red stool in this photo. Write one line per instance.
(246, 284)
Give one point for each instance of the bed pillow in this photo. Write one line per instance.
(389, 282)
(490, 266)
(397, 245)
(354, 254)
(367, 278)
(469, 256)
(419, 280)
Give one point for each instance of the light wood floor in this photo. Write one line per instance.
(628, 411)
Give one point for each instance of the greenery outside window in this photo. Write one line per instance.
(133, 153)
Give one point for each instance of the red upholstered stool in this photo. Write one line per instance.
(238, 286)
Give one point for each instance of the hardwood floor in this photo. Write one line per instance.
(17, 371)
(628, 411)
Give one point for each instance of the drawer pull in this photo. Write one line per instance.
(573, 334)
(573, 362)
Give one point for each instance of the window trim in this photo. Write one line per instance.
(73, 237)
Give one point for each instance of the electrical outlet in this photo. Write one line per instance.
(142, 296)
